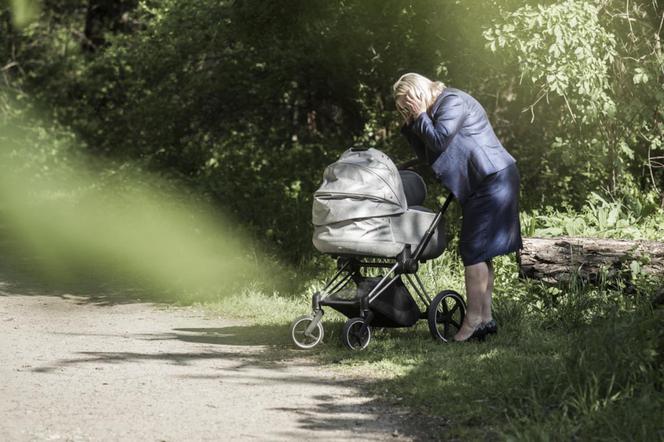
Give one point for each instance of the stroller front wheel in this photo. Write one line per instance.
(356, 334)
(299, 334)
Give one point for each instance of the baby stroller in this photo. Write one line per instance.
(368, 215)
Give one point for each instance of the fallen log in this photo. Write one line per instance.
(591, 259)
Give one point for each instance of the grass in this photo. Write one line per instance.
(569, 363)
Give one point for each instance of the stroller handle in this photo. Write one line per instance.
(447, 202)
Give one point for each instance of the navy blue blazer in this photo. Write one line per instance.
(456, 139)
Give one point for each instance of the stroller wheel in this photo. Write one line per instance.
(355, 334)
(299, 334)
(445, 315)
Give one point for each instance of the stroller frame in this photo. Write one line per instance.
(356, 333)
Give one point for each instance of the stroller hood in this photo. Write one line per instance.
(361, 209)
(361, 184)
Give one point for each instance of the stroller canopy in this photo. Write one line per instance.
(361, 184)
(362, 209)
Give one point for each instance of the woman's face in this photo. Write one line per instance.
(408, 105)
(402, 108)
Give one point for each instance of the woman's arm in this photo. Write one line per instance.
(415, 143)
(438, 130)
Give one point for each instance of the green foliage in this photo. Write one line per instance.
(199, 93)
(600, 217)
(588, 68)
(195, 90)
(24, 11)
(563, 49)
(67, 220)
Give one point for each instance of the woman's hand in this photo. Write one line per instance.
(414, 105)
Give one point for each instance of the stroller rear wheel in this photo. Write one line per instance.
(355, 334)
(299, 334)
(445, 315)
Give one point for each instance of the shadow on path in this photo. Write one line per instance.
(250, 335)
(257, 358)
(80, 293)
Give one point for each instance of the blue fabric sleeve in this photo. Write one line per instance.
(416, 143)
(437, 131)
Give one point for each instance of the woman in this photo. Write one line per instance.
(450, 130)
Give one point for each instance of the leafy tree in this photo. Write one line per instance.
(589, 63)
(249, 100)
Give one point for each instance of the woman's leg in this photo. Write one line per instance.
(488, 296)
(477, 281)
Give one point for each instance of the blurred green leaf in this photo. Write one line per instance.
(24, 11)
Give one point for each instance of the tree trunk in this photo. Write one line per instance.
(558, 259)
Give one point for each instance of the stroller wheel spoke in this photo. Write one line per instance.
(454, 309)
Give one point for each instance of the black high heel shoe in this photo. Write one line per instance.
(478, 334)
(490, 327)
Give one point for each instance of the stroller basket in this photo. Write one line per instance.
(395, 307)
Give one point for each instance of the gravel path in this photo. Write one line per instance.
(73, 369)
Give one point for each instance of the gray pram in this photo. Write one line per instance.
(369, 215)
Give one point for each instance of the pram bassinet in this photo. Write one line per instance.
(362, 208)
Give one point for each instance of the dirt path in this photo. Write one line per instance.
(75, 370)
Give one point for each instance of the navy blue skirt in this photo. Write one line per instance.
(491, 225)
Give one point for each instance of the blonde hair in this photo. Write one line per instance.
(420, 86)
